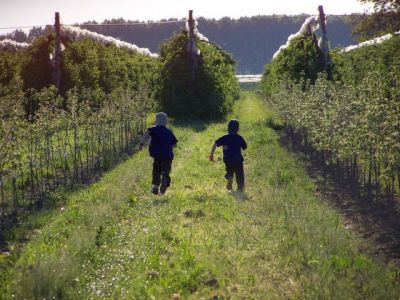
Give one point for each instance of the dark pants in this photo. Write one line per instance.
(161, 170)
(237, 170)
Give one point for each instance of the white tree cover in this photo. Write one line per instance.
(12, 45)
(196, 32)
(374, 41)
(78, 33)
(191, 46)
(311, 22)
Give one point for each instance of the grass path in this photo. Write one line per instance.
(116, 240)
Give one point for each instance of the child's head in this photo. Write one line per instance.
(233, 126)
(161, 118)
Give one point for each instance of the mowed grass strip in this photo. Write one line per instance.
(116, 240)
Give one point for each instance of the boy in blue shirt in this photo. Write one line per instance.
(161, 149)
(232, 143)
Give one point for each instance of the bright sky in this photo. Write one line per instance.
(41, 12)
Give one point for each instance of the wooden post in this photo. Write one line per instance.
(57, 52)
(324, 44)
(191, 46)
(322, 18)
(191, 24)
(309, 31)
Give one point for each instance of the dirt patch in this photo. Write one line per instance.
(376, 224)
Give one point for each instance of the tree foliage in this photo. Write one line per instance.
(351, 67)
(384, 19)
(36, 69)
(10, 79)
(302, 60)
(50, 138)
(207, 91)
(92, 69)
(251, 40)
(353, 122)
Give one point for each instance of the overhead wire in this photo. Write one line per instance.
(99, 24)
(23, 27)
(129, 23)
(243, 19)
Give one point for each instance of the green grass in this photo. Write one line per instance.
(116, 240)
(104, 158)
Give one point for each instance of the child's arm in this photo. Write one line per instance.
(145, 138)
(244, 144)
(211, 157)
(174, 140)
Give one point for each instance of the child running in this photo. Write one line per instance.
(232, 143)
(161, 149)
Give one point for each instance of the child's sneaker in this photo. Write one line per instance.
(229, 184)
(154, 190)
(163, 188)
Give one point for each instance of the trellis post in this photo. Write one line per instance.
(324, 44)
(191, 46)
(57, 52)
(191, 24)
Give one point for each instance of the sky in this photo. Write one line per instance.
(18, 13)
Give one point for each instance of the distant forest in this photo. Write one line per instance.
(251, 41)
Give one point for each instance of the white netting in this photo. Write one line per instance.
(196, 32)
(12, 45)
(374, 41)
(191, 46)
(311, 23)
(77, 33)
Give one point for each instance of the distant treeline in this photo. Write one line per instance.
(252, 41)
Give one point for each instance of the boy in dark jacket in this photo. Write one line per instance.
(161, 149)
(232, 143)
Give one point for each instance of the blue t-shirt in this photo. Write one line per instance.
(162, 142)
(232, 145)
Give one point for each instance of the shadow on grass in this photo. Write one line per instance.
(375, 223)
(160, 201)
(17, 228)
(240, 196)
(196, 125)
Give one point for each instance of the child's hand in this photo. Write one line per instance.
(211, 157)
